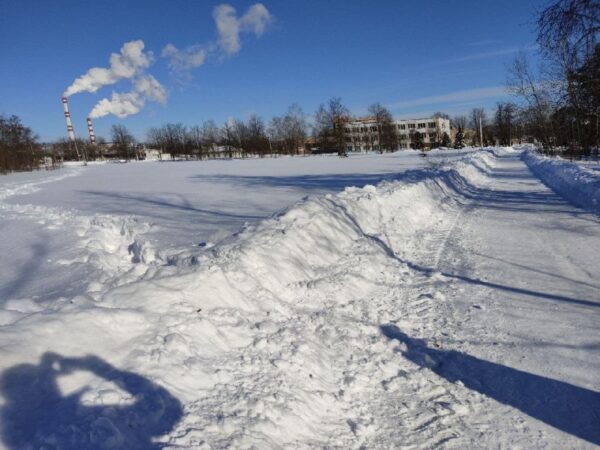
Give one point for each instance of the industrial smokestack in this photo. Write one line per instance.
(91, 131)
(70, 131)
(68, 119)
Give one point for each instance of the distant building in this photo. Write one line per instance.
(152, 154)
(361, 134)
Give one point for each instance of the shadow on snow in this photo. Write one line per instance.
(569, 408)
(321, 183)
(28, 271)
(155, 200)
(475, 281)
(36, 414)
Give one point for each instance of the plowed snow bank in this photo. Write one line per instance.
(579, 185)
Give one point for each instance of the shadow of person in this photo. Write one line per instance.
(569, 408)
(35, 414)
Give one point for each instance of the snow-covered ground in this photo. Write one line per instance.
(77, 230)
(453, 301)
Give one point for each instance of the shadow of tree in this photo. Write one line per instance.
(319, 183)
(569, 408)
(156, 200)
(35, 414)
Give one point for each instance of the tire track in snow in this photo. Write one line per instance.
(433, 412)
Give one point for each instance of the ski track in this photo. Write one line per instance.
(275, 339)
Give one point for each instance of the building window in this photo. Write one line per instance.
(403, 127)
(422, 125)
(431, 124)
(411, 126)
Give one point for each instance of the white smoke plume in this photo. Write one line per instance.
(230, 27)
(182, 61)
(122, 105)
(131, 61)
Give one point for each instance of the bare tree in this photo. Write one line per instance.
(288, 132)
(329, 126)
(210, 135)
(228, 136)
(504, 121)
(122, 140)
(256, 141)
(174, 139)
(240, 135)
(460, 121)
(156, 139)
(568, 32)
(387, 135)
(530, 90)
(440, 115)
(194, 141)
(64, 149)
(323, 129)
(569, 29)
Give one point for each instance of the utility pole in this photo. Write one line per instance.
(480, 132)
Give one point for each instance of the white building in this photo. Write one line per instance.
(362, 134)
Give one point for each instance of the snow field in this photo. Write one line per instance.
(107, 245)
(273, 339)
(287, 334)
(138, 216)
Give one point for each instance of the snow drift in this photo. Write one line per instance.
(264, 339)
(579, 185)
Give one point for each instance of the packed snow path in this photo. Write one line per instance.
(455, 308)
(522, 268)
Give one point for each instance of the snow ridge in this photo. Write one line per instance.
(279, 324)
(579, 185)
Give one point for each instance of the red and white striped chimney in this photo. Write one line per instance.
(91, 131)
(68, 119)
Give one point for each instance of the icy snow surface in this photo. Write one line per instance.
(156, 305)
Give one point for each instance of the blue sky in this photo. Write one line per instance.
(416, 57)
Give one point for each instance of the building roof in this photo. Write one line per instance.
(372, 119)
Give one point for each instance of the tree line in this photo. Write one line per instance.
(287, 134)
